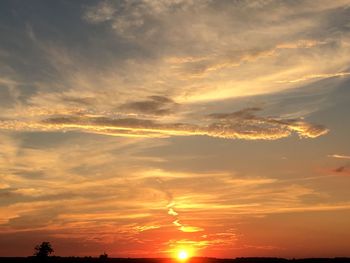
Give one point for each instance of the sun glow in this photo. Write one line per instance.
(182, 255)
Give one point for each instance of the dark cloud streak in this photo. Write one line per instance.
(154, 105)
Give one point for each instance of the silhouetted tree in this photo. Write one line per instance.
(43, 250)
(104, 256)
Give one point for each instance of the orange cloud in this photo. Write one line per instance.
(243, 124)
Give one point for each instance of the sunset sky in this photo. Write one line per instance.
(142, 127)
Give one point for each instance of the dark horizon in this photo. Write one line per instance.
(194, 259)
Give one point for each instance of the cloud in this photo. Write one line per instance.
(339, 156)
(172, 212)
(245, 122)
(112, 198)
(155, 105)
(342, 170)
(184, 228)
(154, 69)
(191, 229)
(316, 76)
(104, 11)
(216, 56)
(146, 228)
(176, 222)
(242, 124)
(198, 67)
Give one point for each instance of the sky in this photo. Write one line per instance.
(142, 127)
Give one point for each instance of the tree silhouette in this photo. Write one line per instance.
(104, 256)
(43, 250)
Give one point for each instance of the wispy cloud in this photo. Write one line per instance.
(316, 76)
(180, 226)
(339, 156)
(220, 59)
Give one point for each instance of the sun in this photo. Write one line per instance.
(182, 255)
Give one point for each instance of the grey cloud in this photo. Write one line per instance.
(101, 121)
(147, 19)
(155, 105)
(340, 169)
(247, 113)
(343, 170)
(79, 100)
(6, 193)
(104, 11)
(29, 173)
(7, 96)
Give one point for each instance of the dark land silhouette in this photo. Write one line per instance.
(43, 251)
(57, 259)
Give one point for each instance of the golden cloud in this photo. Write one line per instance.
(242, 124)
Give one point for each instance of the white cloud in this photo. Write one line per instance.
(339, 156)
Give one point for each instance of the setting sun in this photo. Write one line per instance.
(182, 255)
